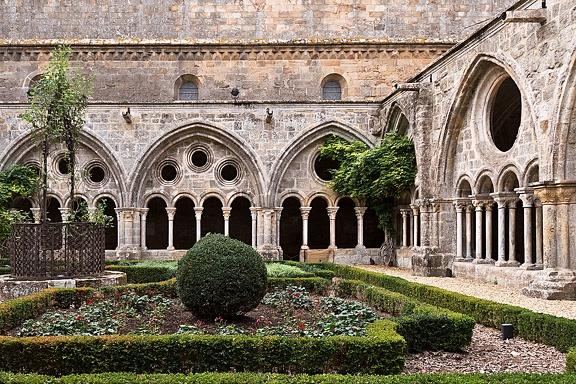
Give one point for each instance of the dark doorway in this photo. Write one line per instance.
(319, 225)
(110, 232)
(157, 224)
(373, 236)
(53, 213)
(212, 218)
(291, 229)
(184, 224)
(241, 220)
(346, 224)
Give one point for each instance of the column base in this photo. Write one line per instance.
(505, 263)
(270, 252)
(531, 267)
(129, 252)
(483, 261)
(552, 284)
(464, 259)
(429, 264)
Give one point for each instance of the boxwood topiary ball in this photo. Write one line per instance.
(220, 276)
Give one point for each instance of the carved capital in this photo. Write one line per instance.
(332, 212)
(305, 211)
(360, 211)
(226, 212)
(171, 211)
(552, 195)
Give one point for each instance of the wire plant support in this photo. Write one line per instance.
(56, 250)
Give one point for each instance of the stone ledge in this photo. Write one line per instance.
(488, 273)
(12, 287)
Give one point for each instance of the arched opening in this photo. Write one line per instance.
(53, 213)
(212, 218)
(464, 189)
(318, 225)
(184, 224)
(332, 91)
(24, 205)
(346, 224)
(157, 224)
(291, 229)
(241, 220)
(110, 232)
(373, 236)
(398, 122)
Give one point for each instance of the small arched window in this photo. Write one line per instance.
(332, 91)
(188, 91)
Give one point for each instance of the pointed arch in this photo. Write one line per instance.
(207, 132)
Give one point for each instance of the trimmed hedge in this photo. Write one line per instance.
(271, 378)
(425, 327)
(380, 352)
(167, 288)
(13, 312)
(312, 284)
(551, 330)
(137, 274)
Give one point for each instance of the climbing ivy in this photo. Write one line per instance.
(374, 176)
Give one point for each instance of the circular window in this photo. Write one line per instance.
(168, 173)
(64, 166)
(506, 115)
(96, 174)
(323, 166)
(229, 172)
(199, 158)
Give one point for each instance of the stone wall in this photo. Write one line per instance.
(244, 19)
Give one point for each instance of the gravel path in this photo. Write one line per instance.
(487, 291)
(488, 353)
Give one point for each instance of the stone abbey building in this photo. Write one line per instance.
(207, 116)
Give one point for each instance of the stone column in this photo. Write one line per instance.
(120, 220)
(226, 211)
(512, 262)
(501, 231)
(488, 230)
(459, 206)
(527, 197)
(479, 209)
(539, 260)
(278, 214)
(469, 210)
(267, 225)
(128, 215)
(415, 212)
(254, 216)
(143, 213)
(65, 213)
(405, 223)
(360, 211)
(171, 211)
(332, 216)
(305, 211)
(36, 215)
(198, 214)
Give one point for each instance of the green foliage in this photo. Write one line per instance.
(275, 378)
(84, 215)
(375, 176)
(145, 272)
(551, 330)
(283, 270)
(221, 276)
(56, 113)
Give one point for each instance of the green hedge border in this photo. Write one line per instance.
(271, 378)
(551, 330)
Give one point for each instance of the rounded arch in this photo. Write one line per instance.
(354, 200)
(484, 184)
(397, 120)
(508, 180)
(208, 132)
(463, 187)
(288, 194)
(532, 174)
(346, 223)
(212, 194)
(330, 200)
(301, 142)
(334, 87)
(241, 218)
(154, 195)
(483, 67)
(111, 231)
(291, 227)
(187, 88)
(187, 195)
(157, 222)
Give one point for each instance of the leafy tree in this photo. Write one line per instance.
(15, 181)
(56, 113)
(375, 176)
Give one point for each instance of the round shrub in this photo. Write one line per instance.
(220, 276)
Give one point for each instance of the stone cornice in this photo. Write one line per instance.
(254, 49)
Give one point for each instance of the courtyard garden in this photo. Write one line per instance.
(312, 323)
